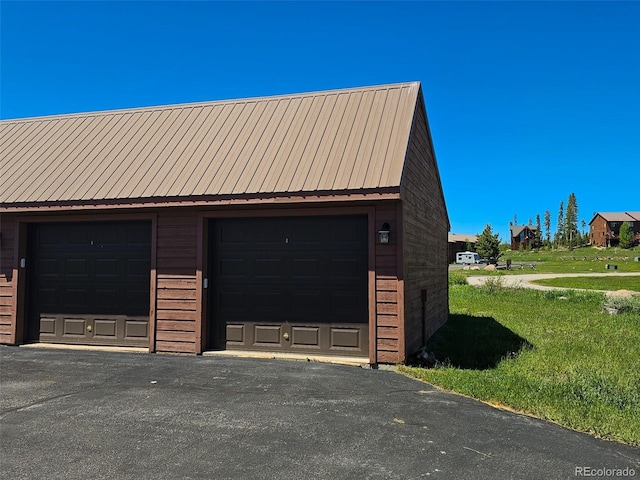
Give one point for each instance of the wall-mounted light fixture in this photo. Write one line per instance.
(383, 234)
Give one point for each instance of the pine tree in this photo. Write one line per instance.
(571, 221)
(547, 226)
(538, 231)
(560, 232)
(626, 235)
(488, 244)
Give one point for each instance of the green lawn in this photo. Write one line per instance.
(555, 355)
(580, 260)
(610, 282)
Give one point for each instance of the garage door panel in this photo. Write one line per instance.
(75, 298)
(230, 301)
(305, 337)
(88, 280)
(268, 268)
(303, 278)
(267, 335)
(232, 268)
(346, 339)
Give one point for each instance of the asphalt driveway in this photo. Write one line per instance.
(103, 415)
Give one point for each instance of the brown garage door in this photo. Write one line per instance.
(290, 284)
(89, 283)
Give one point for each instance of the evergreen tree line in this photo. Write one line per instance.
(568, 232)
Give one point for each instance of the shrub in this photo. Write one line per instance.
(457, 279)
(494, 284)
(623, 304)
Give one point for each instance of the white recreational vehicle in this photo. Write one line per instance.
(467, 257)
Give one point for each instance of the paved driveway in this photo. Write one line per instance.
(100, 415)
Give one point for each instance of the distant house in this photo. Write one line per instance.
(523, 236)
(604, 228)
(459, 243)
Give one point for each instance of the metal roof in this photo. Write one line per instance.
(341, 140)
(461, 237)
(517, 229)
(617, 216)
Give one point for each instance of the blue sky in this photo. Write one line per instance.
(527, 101)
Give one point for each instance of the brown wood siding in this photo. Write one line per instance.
(425, 240)
(7, 282)
(388, 327)
(176, 302)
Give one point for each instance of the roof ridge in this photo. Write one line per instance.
(207, 103)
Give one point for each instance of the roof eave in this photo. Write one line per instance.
(371, 195)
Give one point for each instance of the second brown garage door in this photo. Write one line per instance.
(294, 284)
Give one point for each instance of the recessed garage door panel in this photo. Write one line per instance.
(89, 283)
(290, 284)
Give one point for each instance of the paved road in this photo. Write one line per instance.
(525, 280)
(101, 415)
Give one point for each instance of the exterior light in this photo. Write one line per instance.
(384, 233)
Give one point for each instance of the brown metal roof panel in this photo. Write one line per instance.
(382, 144)
(218, 149)
(97, 168)
(102, 156)
(234, 160)
(24, 156)
(114, 173)
(392, 171)
(257, 148)
(285, 154)
(74, 165)
(365, 159)
(337, 150)
(245, 149)
(10, 138)
(205, 153)
(273, 138)
(139, 176)
(337, 140)
(196, 151)
(73, 161)
(310, 155)
(151, 165)
(227, 152)
(325, 142)
(173, 156)
(176, 178)
(18, 136)
(42, 158)
(297, 161)
(354, 143)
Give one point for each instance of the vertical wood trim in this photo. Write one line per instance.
(200, 323)
(17, 278)
(402, 354)
(20, 301)
(153, 286)
(373, 314)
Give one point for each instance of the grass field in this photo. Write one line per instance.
(554, 355)
(579, 260)
(610, 282)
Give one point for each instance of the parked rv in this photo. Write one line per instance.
(467, 257)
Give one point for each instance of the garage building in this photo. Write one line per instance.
(311, 223)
